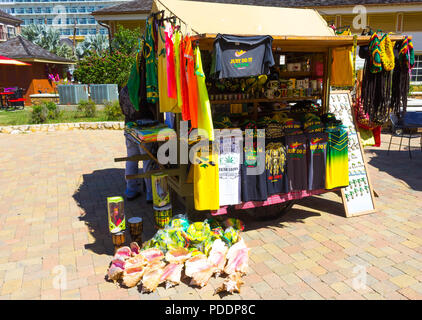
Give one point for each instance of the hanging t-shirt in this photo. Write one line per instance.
(167, 104)
(171, 76)
(275, 167)
(297, 167)
(235, 56)
(254, 186)
(192, 82)
(337, 159)
(206, 181)
(177, 36)
(151, 67)
(229, 170)
(204, 108)
(184, 82)
(342, 67)
(317, 156)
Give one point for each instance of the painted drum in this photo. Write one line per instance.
(162, 216)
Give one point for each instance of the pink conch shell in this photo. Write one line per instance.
(231, 284)
(152, 276)
(237, 258)
(172, 274)
(152, 255)
(199, 270)
(123, 252)
(118, 261)
(132, 279)
(134, 247)
(179, 255)
(114, 273)
(217, 256)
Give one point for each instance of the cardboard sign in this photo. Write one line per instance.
(358, 197)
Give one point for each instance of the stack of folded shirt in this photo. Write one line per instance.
(292, 127)
(312, 123)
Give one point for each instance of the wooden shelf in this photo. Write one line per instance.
(284, 99)
(293, 74)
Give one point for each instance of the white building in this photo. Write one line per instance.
(64, 15)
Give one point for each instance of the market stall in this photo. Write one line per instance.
(255, 82)
(302, 72)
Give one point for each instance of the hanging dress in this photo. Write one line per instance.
(184, 82)
(167, 104)
(191, 82)
(176, 40)
(204, 108)
(171, 77)
(151, 66)
(337, 170)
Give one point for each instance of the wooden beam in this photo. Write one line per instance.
(170, 172)
(139, 157)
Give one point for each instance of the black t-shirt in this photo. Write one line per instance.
(297, 167)
(275, 167)
(254, 187)
(317, 155)
(235, 56)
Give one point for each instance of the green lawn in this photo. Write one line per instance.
(10, 118)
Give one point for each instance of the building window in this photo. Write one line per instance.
(399, 22)
(49, 21)
(11, 32)
(2, 35)
(28, 10)
(417, 70)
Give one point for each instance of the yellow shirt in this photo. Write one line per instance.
(167, 104)
(206, 182)
(342, 67)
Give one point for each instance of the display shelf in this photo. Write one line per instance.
(284, 99)
(293, 74)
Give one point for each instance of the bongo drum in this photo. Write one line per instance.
(162, 216)
(118, 239)
(135, 229)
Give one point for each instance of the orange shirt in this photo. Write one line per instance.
(191, 82)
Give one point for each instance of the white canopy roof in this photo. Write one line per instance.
(212, 18)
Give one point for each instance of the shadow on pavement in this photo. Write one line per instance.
(91, 197)
(399, 165)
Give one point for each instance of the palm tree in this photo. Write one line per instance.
(47, 38)
(92, 44)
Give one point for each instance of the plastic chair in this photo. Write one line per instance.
(398, 130)
(17, 100)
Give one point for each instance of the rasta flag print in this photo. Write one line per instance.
(337, 159)
(206, 181)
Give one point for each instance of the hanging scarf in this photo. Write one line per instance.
(407, 53)
(151, 65)
(375, 52)
(387, 53)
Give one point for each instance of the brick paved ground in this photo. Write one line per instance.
(53, 223)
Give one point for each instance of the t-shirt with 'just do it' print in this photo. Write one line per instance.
(297, 166)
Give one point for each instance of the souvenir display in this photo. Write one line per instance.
(296, 138)
(151, 266)
(116, 214)
(160, 190)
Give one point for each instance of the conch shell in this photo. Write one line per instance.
(178, 255)
(231, 284)
(152, 255)
(152, 276)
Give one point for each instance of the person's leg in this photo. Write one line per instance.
(147, 165)
(132, 188)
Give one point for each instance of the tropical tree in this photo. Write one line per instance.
(97, 44)
(47, 38)
(126, 41)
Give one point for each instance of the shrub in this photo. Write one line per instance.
(105, 69)
(112, 110)
(87, 108)
(52, 110)
(39, 114)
